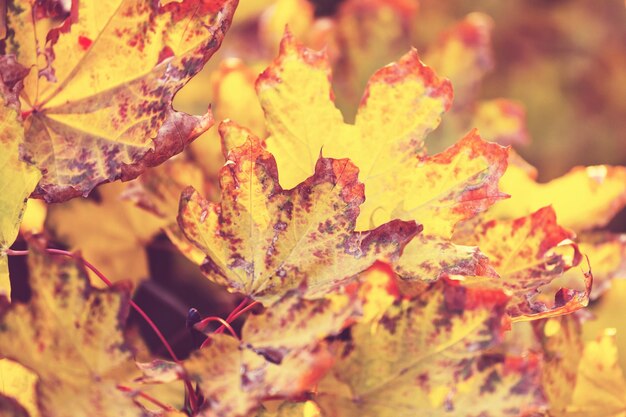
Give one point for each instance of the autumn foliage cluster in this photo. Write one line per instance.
(366, 274)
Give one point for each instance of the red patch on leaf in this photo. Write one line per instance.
(165, 53)
(476, 298)
(310, 377)
(460, 298)
(187, 8)
(84, 42)
(392, 284)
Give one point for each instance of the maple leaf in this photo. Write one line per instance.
(103, 111)
(366, 35)
(296, 96)
(34, 216)
(463, 53)
(501, 120)
(281, 355)
(429, 356)
(581, 379)
(232, 96)
(69, 334)
(17, 178)
(602, 188)
(158, 192)
(402, 103)
(235, 97)
(528, 253)
(116, 245)
(263, 241)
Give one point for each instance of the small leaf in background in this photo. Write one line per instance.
(502, 121)
(365, 35)
(584, 198)
(464, 55)
(231, 88)
(581, 379)
(111, 233)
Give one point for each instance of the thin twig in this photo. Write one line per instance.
(207, 320)
(147, 397)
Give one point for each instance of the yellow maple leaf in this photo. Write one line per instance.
(584, 198)
(296, 95)
(263, 241)
(69, 334)
(402, 103)
(429, 356)
(17, 179)
(97, 101)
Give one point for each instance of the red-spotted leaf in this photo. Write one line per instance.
(70, 335)
(97, 100)
(529, 253)
(263, 241)
(431, 356)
